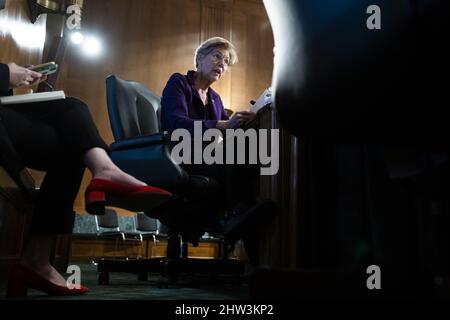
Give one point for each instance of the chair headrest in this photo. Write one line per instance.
(133, 109)
(109, 219)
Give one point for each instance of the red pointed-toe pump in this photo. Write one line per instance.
(101, 193)
(23, 278)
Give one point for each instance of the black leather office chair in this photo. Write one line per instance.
(143, 151)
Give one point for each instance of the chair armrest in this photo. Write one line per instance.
(142, 141)
(148, 158)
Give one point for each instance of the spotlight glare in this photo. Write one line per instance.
(77, 38)
(92, 46)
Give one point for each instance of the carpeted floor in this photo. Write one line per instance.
(125, 286)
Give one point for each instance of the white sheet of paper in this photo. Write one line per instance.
(264, 99)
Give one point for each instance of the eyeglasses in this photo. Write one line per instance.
(218, 56)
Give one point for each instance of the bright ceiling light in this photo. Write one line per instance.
(24, 34)
(92, 46)
(77, 38)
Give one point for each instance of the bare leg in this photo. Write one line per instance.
(36, 257)
(101, 166)
(38, 249)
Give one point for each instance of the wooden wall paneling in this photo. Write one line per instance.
(216, 21)
(15, 217)
(20, 40)
(271, 245)
(285, 194)
(54, 48)
(292, 202)
(280, 243)
(252, 35)
(147, 41)
(87, 249)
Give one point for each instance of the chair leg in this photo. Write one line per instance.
(184, 249)
(173, 247)
(143, 276)
(163, 281)
(103, 278)
(228, 248)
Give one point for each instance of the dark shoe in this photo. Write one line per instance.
(181, 217)
(23, 278)
(101, 193)
(250, 220)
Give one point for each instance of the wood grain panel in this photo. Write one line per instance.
(145, 41)
(89, 249)
(20, 40)
(252, 35)
(15, 217)
(216, 22)
(280, 241)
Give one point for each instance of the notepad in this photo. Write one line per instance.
(264, 99)
(33, 97)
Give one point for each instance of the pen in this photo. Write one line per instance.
(47, 84)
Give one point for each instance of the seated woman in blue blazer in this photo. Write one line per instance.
(60, 137)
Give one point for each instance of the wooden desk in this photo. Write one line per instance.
(16, 209)
(15, 218)
(280, 245)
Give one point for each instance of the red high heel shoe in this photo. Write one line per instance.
(101, 193)
(23, 278)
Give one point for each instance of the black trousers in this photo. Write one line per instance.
(237, 182)
(53, 137)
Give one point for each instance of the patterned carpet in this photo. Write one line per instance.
(125, 286)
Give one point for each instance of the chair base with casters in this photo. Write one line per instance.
(108, 229)
(145, 228)
(169, 269)
(137, 266)
(175, 263)
(178, 262)
(187, 221)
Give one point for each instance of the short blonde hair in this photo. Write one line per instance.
(213, 43)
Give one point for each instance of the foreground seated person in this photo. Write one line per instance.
(60, 137)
